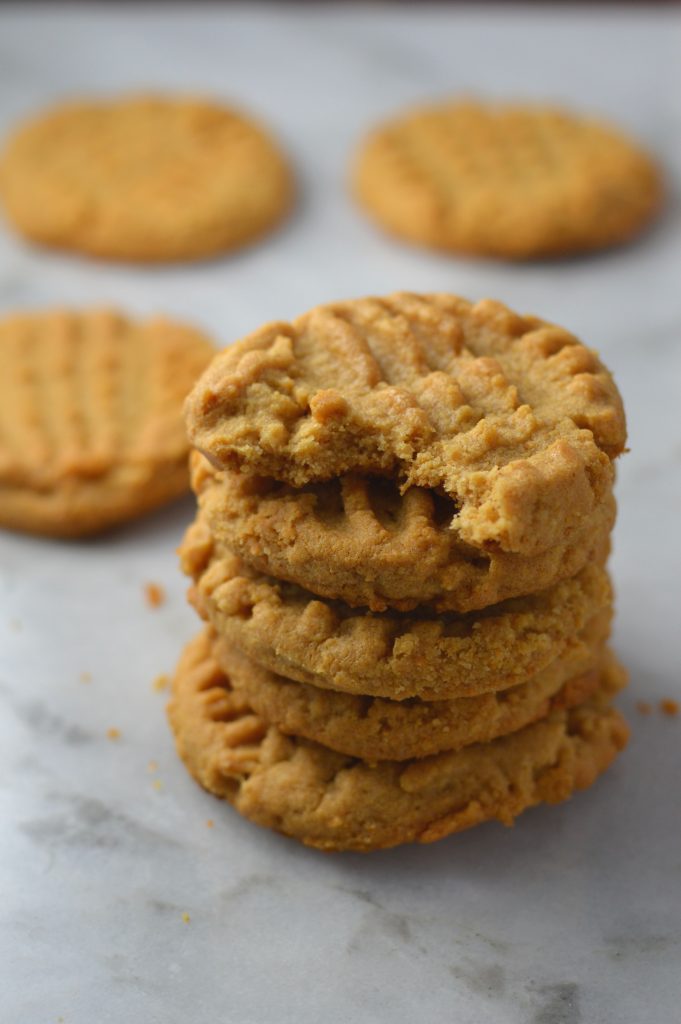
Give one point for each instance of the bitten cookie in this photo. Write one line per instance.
(359, 540)
(378, 729)
(91, 429)
(144, 178)
(512, 418)
(512, 181)
(388, 654)
(334, 802)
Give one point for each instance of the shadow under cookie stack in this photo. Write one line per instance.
(405, 507)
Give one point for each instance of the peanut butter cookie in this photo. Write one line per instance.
(91, 429)
(378, 729)
(389, 654)
(359, 540)
(334, 802)
(511, 418)
(512, 181)
(144, 178)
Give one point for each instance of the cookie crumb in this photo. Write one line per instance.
(669, 707)
(643, 707)
(152, 766)
(155, 595)
(160, 683)
(158, 785)
(209, 823)
(85, 677)
(186, 918)
(113, 733)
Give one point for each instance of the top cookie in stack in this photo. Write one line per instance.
(405, 509)
(426, 449)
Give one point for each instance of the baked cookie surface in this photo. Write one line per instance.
(509, 181)
(359, 540)
(378, 729)
(143, 178)
(511, 418)
(334, 802)
(91, 430)
(390, 654)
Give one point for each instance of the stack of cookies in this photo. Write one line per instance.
(405, 507)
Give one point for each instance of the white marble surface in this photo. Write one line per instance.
(574, 915)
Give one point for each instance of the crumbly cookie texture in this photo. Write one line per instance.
(510, 417)
(91, 429)
(335, 802)
(360, 541)
(515, 182)
(377, 729)
(389, 654)
(144, 178)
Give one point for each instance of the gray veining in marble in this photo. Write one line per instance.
(572, 917)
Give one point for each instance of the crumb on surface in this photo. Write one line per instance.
(209, 823)
(157, 784)
(669, 707)
(160, 683)
(85, 677)
(186, 918)
(154, 594)
(113, 733)
(643, 707)
(152, 766)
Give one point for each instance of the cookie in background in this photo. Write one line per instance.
(91, 430)
(513, 181)
(144, 179)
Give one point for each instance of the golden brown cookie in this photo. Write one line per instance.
(144, 178)
(389, 654)
(91, 429)
(377, 729)
(357, 539)
(505, 180)
(512, 418)
(336, 802)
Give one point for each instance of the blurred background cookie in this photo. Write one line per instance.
(144, 179)
(512, 181)
(91, 429)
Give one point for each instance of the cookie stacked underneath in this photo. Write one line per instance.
(404, 515)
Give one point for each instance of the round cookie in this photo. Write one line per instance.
(91, 430)
(511, 418)
(511, 181)
(391, 654)
(333, 802)
(144, 178)
(360, 541)
(378, 729)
